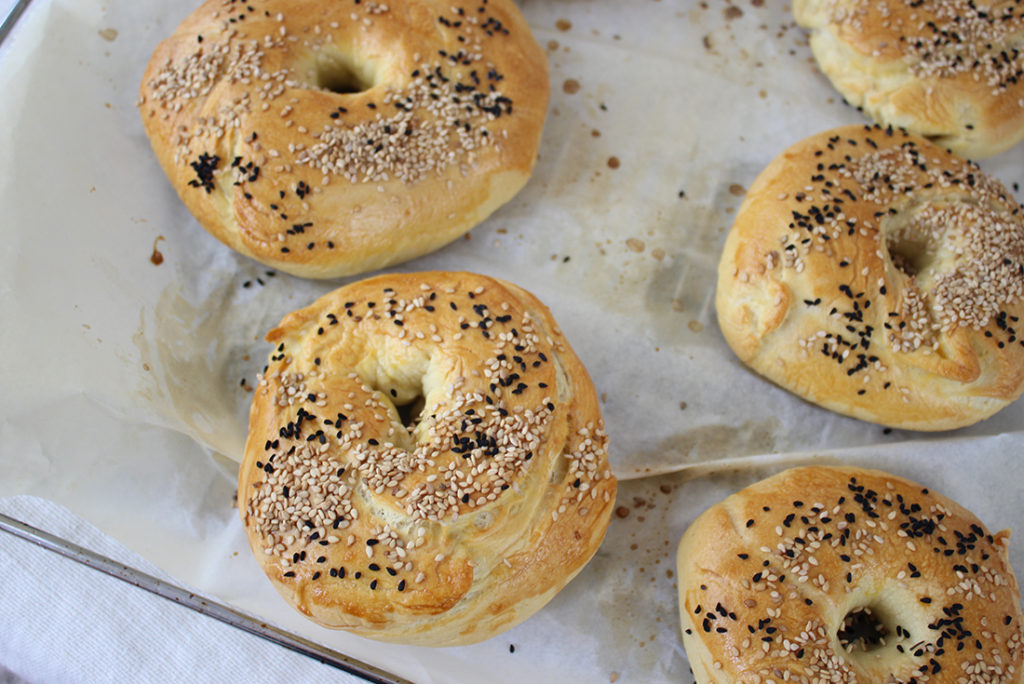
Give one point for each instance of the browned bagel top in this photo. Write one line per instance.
(822, 574)
(881, 276)
(952, 70)
(451, 523)
(329, 138)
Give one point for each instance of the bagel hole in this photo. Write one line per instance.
(911, 254)
(411, 413)
(340, 74)
(863, 631)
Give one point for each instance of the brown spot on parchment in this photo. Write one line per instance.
(157, 257)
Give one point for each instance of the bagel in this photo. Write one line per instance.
(950, 70)
(877, 275)
(454, 522)
(333, 138)
(845, 575)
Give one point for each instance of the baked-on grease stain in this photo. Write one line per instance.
(157, 257)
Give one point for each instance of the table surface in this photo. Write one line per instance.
(61, 621)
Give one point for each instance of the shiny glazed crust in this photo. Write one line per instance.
(239, 108)
(458, 529)
(768, 576)
(947, 69)
(881, 277)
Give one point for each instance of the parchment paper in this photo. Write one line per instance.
(128, 381)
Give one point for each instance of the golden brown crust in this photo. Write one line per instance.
(950, 70)
(881, 277)
(768, 576)
(452, 532)
(444, 129)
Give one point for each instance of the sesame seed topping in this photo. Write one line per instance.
(923, 248)
(344, 448)
(774, 621)
(443, 112)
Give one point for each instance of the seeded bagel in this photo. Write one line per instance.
(878, 275)
(847, 575)
(333, 138)
(426, 460)
(950, 70)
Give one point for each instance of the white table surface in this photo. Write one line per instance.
(62, 622)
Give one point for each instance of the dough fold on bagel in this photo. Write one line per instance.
(881, 277)
(822, 574)
(333, 138)
(426, 460)
(951, 70)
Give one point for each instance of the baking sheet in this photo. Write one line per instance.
(128, 380)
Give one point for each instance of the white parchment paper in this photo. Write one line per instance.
(127, 382)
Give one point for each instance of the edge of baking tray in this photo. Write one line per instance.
(196, 602)
(12, 19)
